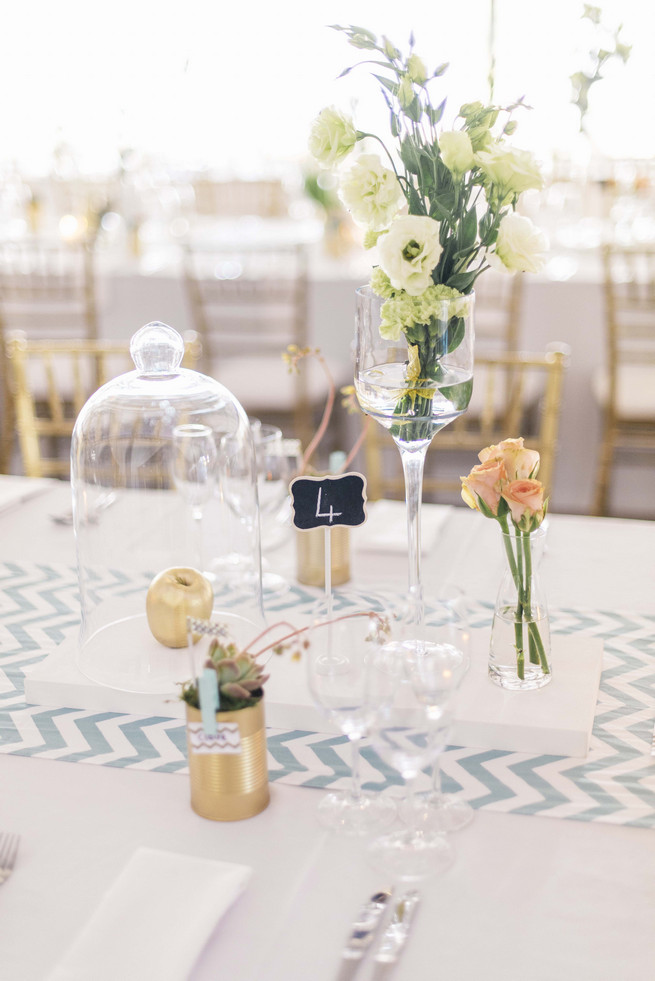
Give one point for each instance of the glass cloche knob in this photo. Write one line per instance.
(157, 349)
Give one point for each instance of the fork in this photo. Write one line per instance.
(8, 850)
(101, 503)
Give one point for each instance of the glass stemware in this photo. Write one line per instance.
(195, 461)
(274, 472)
(275, 464)
(345, 634)
(409, 735)
(445, 632)
(414, 389)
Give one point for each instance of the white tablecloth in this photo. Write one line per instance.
(528, 896)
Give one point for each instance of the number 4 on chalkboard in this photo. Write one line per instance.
(327, 502)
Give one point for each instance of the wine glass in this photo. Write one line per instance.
(346, 631)
(408, 734)
(194, 474)
(446, 629)
(414, 385)
(273, 468)
(274, 472)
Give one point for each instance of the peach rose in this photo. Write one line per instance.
(525, 499)
(520, 462)
(484, 484)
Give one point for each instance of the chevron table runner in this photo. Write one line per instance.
(39, 607)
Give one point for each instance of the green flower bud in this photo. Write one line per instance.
(416, 69)
(390, 50)
(406, 92)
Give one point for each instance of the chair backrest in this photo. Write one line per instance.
(47, 289)
(498, 298)
(517, 395)
(629, 283)
(49, 383)
(247, 300)
(231, 199)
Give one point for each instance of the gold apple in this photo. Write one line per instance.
(174, 595)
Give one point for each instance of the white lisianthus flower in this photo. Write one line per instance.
(409, 251)
(510, 171)
(456, 151)
(371, 192)
(332, 136)
(520, 245)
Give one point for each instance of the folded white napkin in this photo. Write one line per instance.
(155, 919)
(385, 529)
(15, 490)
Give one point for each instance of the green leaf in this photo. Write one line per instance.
(445, 200)
(462, 281)
(410, 156)
(459, 395)
(414, 110)
(440, 70)
(393, 122)
(437, 211)
(434, 115)
(468, 230)
(387, 84)
(415, 201)
(456, 331)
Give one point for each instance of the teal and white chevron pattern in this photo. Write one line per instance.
(39, 607)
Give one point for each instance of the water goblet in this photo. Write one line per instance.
(446, 629)
(346, 631)
(274, 472)
(408, 734)
(194, 473)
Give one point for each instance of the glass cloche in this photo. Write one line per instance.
(165, 506)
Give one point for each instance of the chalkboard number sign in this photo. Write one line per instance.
(327, 502)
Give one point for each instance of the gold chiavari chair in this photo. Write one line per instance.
(50, 381)
(625, 387)
(503, 412)
(498, 298)
(47, 290)
(248, 305)
(235, 198)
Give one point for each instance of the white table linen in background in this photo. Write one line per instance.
(16, 490)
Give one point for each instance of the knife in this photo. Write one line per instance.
(362, 933)
(395, 936)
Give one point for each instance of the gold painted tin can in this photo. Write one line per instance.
(230, 786)
(310, 555)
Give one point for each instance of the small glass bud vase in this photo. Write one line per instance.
(519, 653)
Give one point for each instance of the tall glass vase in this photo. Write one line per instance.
(414, 381)
(519, 653)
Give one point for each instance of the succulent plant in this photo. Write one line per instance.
(239, 677)
(238, 674)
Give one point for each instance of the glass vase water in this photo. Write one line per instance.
(519, 653)
(414, 384)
